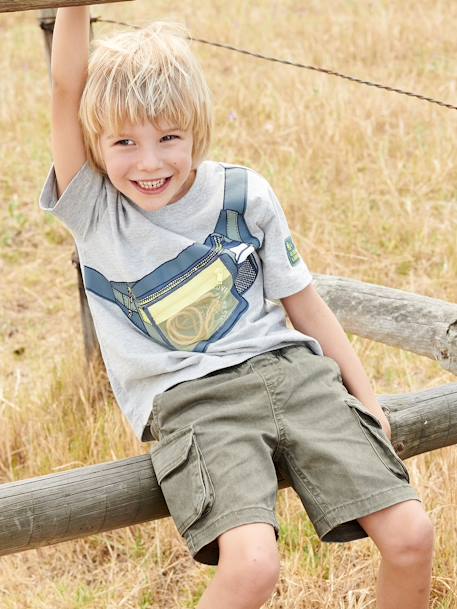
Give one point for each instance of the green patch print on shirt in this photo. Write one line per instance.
(292, 252)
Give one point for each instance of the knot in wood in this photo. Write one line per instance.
(386, 411)
(399, 447)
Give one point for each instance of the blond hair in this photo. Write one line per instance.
(145, 75)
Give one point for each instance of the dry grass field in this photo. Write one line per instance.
(368, 181)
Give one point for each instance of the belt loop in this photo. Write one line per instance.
(281, 352)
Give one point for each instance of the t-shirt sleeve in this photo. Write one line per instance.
(284, 271)
(81, 204)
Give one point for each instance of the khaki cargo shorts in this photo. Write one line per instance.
(223, 436)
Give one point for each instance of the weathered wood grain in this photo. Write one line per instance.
(422, 421)
(423, 325)
(9, 6)
(58, 507)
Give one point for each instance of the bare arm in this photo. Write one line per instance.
(311, 315)
(69, 59)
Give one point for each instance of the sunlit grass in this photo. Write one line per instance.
(367, 179)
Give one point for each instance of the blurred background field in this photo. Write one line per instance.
(368, 182)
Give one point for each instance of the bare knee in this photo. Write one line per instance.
(249, 563)
(412, 545)
(252, 576)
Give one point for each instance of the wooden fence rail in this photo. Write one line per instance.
(58, 507)
(9, 6)
(426, 326)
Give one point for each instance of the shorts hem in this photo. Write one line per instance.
(230, 520)
(340, 523)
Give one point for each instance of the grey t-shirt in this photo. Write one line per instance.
(185, 290)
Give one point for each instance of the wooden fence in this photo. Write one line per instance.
(58, 507)
(88, 500)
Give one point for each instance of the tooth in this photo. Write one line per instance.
(151, 184)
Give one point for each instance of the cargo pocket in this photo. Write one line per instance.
(182, 475)
(375, 434)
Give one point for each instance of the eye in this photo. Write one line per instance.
(170, 137)
(124, 142)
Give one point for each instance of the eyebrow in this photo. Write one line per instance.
(115, 137)
(125, 135)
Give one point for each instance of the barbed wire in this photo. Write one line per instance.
(294, 64)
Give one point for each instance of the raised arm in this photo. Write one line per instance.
(69, 59)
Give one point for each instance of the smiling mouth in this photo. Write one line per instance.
(151, 186)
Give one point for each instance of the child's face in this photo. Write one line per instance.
(149, 164)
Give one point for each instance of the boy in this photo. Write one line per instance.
(183, 259)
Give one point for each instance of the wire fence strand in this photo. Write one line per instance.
(295, 64)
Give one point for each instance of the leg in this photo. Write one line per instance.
(404, 535)
(247, 571)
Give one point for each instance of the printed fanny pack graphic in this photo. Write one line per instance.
(196, 298)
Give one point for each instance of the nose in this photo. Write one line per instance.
(149, 159)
